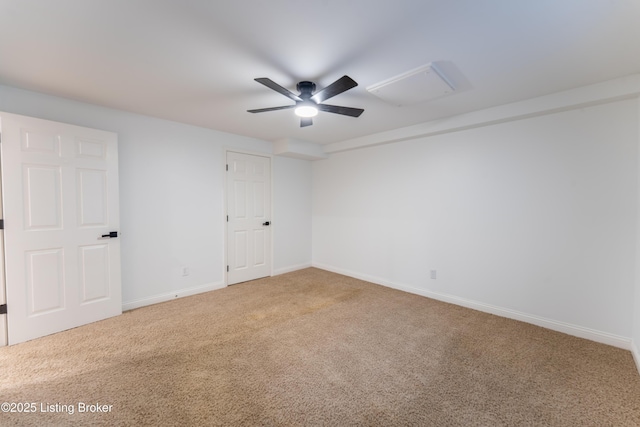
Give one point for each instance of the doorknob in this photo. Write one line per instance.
(266, 223)
(111, 235)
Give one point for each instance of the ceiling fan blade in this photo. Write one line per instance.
(275, 86)
(346, 111)
(343, 84)
(262, 110)
(306, 121)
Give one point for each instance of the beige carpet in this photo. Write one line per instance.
(316, 348)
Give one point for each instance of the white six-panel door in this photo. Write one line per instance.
(249, 212)
(60, 198)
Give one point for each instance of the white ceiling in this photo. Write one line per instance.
(194, 61)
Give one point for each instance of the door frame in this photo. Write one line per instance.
(4, 331)
(270, 156)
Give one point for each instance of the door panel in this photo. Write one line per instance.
(240, 242)
(41, 196)
(94, 272)
(45, 281)
(260, 240)
(92, 149)
(60, 187)
(40, 142)
(92, 193)
(249, 207)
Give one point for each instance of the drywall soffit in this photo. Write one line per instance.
(600, 93)
(298, 149)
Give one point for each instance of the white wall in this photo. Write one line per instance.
(292, 214)
(171, 195)
(535, 217)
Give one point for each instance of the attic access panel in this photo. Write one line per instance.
(413, 87)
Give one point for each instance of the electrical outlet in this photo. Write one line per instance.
(433, 274)
(185, 271)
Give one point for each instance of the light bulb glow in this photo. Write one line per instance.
(306, 111)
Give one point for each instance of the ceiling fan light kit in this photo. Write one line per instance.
(309, 102)
(306, 109)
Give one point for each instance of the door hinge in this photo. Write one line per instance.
(3, 309)
(1, 224)
(227, 168)
(227, 268)
(227, 218)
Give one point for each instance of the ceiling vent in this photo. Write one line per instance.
(413, 87)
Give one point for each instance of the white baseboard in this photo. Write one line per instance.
(636, 354)
(577, 331)
(130, 305)
(290, 269)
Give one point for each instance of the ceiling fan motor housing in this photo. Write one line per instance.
(306, 89)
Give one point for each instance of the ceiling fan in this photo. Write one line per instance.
(309, 102)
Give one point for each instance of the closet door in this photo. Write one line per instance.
(249, 211)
